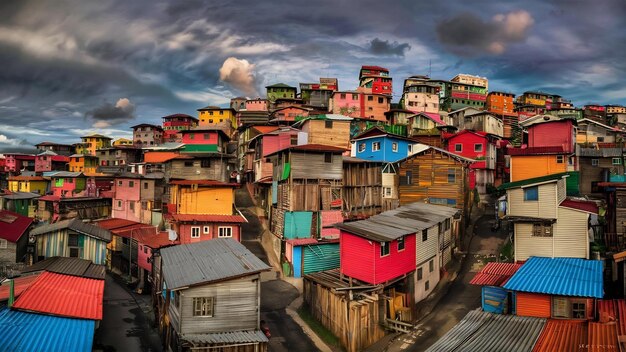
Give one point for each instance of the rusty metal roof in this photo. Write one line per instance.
(562, 335)
(495, 274)
(229, 337)
(63, 295)
(603, 337)
(20, 284)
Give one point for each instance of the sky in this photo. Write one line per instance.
(69, 68)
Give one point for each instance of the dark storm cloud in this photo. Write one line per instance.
(109, 114)
(385, 47)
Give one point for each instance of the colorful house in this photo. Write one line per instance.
(280, 90)
(256, 105)
(174, 124)
(53, 208)
(135, 196)
(288, 115)
(534, 162)
(17, 162)
(205, 139)
(376, 144)
(121, 142)
(67, 184)
(551, 131)
(495, 299)
(203, 209)
(13, 236)
(318, 94)
(376, 79)
(118, 158)
(146, 134)
(33, 184)
(71, 238)
(480, 147)
(91, 143)
(213, 115)
(59, 149)
(591, 133)
(554, 287)
(84, 163)
(360, 104)
(50, 161)
(501, 103)
(421, 97)
(599, 165)
(330, 129)
(23, 203)
(545, 222)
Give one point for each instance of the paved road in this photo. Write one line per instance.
(125, 326)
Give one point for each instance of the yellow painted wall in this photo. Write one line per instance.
(525, 167)
(94, 144)
(205, 200)
(217, 116)
(28, 186)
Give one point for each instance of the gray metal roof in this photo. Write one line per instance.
(482, 331)
(208, 261)
(66, 174)
(76, 225)
(227, 337)
(601, 153)
(20, 195)
(399, 222)
(69, 266)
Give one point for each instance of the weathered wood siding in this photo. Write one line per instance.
(312, 166)
(216, 171)
(55, 244)
(429, 179)
(545, 207)
(362, 193)
(237, 304)
(337, 134)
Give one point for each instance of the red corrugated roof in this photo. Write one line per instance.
(208, 218)
(590, 207)
(610, 310)
(203, 183)
(159, 157)
(602, 337)
(63, 295)
(377, 68)
(535, 150)
(13, 225)
(114, 223)
(433, 116)
(266, 129)
(50, 198)
(21, 284)
(495, 274)
(153, 241)
(562, 335)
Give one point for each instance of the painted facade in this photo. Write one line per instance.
(204, 140)
(91, 143)
(213, 115)
(375, 79)
(147, 135)
(68, 184)
(360, 104)
(50, 161)
(421, 98)
(173, 124)
(280, 90)
(380, 146)
(34, 184)
(87, 164)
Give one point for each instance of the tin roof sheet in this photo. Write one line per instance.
(13, 225)
(535, 180)
(208, 261)
(63, 295)
(69, 266)
(20, 284)
(562, 335)
(405, 220)
(601, 152)
(20, 195)
(613, 310)
(209, 218)
(602, 337)
(559, 276)
(535, 151)
(76, 225)
(495, 274)
(586, 206)
(35, 332)
(227, 337)
(482, 331)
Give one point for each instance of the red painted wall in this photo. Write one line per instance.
(184, 231)
(551, 134)
(360, 259)
(142, 258)
(468, 140)
(201, 137)
(273, 143)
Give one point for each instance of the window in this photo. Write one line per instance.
(361, 147)
(478, 147)
(431, 266)
(342, 95)
(531, 193)
(210, 121)
(224, 231)
(188, 163)
(355, 97)
(74, 252)
(72, 240)
(387, 192)
(380, 100)
(424, 235)
(420, 274)
(600, 139)
(595, 162)
(195, 232)
(119, 204)
(394, 147)
(145, 185)
(144, 205)
(370, 98)
(559, 159)
(206, 230)
(616, 161)
(579, 310)
(203, 306)
(542, 230)
(409, 177)
(221, 112)
(205, 136)
(328, 157)
(401, 244)
(191, 134)
(119, 183)
(3, 243)
(426, 285)
(458, 147)
(205, 163)
(131, 183)
(328, 123)
(384, 249)
(451, 175)
(375, 146)
(293, 140)
(131, 205)
(145, 249)
(409, 148)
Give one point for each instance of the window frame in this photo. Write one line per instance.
(401, 241)
(221, 235)
(528, 196)
(384, 249)
(619, 161)
(560, 159)
(479, 150)
(457, 149)
(206, 229)
(424, 235)
(375, 146)
(595, 162)
(200, 305)
(195, 232)
(362, 147)
(453, 175)
(394, 147)
(542, 230)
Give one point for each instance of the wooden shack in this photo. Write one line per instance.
(362, 187)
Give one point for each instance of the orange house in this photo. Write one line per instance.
(83, 163)
(538, 161)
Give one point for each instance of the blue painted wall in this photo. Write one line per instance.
(494, 299)
(297, 261)
(386, 153)
(298, 224)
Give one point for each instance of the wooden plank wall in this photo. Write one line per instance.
(362, 193)
(357, 324)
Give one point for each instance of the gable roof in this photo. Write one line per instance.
(559, 276)
(495, 274)
(68, 266)
(315, 148)
(75, 225)
(208, 261)
(280, 85)
(377, 130)
(402, 221)
(66, 174)
(436, 118)
(615, 129)
(536, 151)
(537, 119)
(13, 225)
(265, 129)
(535, 180)
(420, 148)
(19, 195)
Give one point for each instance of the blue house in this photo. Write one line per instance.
(376, 144)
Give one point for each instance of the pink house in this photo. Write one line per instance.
(349, 103)
(67, 184)
(288, 114)
(17, 161)
(256, 105)
(134, 197)
(147, 244)
(51, 161)
(551, 131)
(266, 144)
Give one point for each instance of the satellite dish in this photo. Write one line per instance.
(172, 235)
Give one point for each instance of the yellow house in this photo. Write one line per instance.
(83, 163)
(122, 141)
(530, 166)
(34, 184)
(202, 197)
(212, 115)
(91, 143)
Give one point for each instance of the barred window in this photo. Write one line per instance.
(203, 306)
(542, 230)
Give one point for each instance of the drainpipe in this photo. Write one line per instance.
(11, 292)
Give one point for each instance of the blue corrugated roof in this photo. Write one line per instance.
(35, 332)
(559, 276)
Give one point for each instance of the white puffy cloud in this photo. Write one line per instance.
(239, 73)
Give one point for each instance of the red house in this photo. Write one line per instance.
(51, 161)
(481, 147)
(375, 78)
(551, 131)
(205, 139)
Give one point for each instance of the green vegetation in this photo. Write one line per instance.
(318, 328)
(506, 252)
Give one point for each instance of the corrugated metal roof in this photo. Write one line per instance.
(63, 295)
(613, 310)
(13, 225)
(482, 331)
(203, 183)
(405, 220)
(562, 335)
(495, 274)
(587, 206)
(67, 174)
(20, 284)
(600, 153)
(227, 337)
(209, 218)
(69, 266)
(535, 151)
(35, 332)
(76, 225)
(20, 195)
(207, 261)
(559, 276)
(535, 180)
(603, 337)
